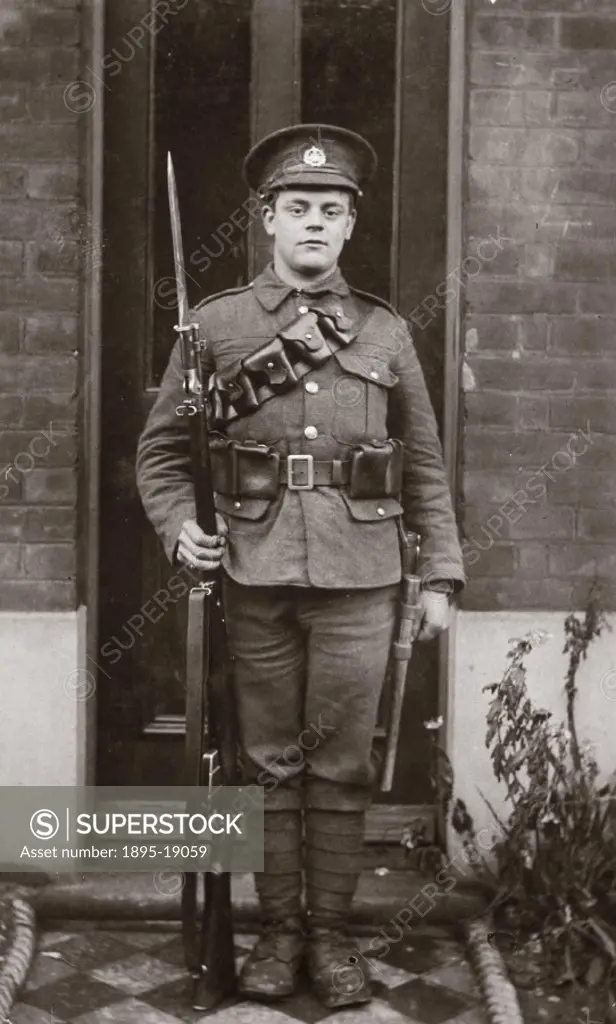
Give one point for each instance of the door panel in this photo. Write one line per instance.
(349, 78)
(206, 86)
(201, 114)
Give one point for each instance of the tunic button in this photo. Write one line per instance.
(374, 374)
(237, 504)
(308, 337)
(311, 433)
(270, 366)
(380, 511)
(312, 387)
(303, 309)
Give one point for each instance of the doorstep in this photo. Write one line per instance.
(156, 897)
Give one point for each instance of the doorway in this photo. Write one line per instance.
(205, 79)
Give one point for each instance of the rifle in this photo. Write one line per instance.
(408, 627)
(211, 749)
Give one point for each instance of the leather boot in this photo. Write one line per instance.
(271, 969)
(334, 842)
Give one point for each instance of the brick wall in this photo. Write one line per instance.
(538, 480)
(539, 435)
(39, 303)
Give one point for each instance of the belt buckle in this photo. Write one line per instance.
(304, 464)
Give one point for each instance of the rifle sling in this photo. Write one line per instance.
(276, 367)
(197, 641)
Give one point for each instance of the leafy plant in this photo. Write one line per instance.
(555, 874)
(557, 855)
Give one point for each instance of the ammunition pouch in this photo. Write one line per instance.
(248, 470)
(276, 367)
(376, 470)
(253, 470)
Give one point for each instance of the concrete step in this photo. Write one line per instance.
(156, 897)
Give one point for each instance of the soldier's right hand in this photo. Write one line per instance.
(200, 550)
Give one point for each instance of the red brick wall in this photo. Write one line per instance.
(539, 497)
(39, 303)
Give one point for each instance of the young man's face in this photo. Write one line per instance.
(309, 228)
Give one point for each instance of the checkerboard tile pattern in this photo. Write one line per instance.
(132, 977)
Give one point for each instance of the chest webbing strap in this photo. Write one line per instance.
(277, 367)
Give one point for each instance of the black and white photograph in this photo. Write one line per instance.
(308, 511)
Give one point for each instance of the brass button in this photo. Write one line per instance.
(270, 366)
(380, 511)
(374, 374)
(312, 387)
(303, 309)
(308, 336)
(237, 504)
(311, 432)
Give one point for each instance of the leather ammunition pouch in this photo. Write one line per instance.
(276, 367)
(376, 470)
(253, 470)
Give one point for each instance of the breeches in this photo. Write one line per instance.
(309, 667)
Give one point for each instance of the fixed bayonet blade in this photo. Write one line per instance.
(178, 253)
(187, 332)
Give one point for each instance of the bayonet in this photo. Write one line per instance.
(187, 330)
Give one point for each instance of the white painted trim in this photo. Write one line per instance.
(40, 709)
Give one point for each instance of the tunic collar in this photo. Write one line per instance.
(271, 291)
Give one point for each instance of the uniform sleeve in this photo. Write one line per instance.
(163, 465)
(426, 498)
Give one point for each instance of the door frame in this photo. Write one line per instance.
(92, 56)
(90, 390)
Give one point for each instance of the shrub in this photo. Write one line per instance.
(555, 855)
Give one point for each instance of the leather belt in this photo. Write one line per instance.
(303, 472)
(254, 470)
(297, 472)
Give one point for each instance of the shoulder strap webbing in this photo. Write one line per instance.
(220, 295)
(378, 301)
(276, 367)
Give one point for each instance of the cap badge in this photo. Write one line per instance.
(314, 156)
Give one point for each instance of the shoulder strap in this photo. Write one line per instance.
(220, 295)
(376, 299)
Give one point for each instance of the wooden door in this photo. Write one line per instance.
(206, 79)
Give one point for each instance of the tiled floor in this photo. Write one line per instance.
(129, 977)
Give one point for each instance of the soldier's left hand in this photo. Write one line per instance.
(436, 613)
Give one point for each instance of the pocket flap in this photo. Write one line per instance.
(241, 508)
(372, 510)
(367, 366)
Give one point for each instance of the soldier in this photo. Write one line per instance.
(324, 444)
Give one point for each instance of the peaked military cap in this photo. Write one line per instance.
(310, 154)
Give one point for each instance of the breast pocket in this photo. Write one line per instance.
(360, 396)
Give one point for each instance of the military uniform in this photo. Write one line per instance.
(313, 492)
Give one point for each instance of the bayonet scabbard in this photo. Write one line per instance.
(409, 621)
